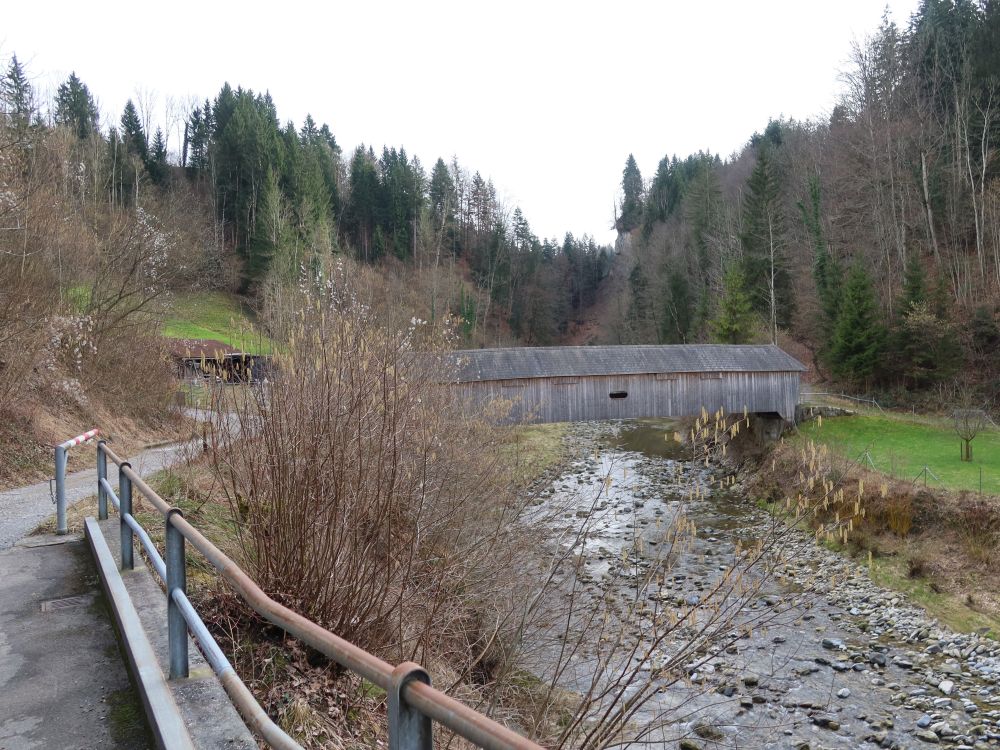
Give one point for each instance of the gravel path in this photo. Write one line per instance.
(24, 508)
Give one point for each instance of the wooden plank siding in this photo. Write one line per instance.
(674, 394)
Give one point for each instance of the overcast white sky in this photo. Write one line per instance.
(546, 98)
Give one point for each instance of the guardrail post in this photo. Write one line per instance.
(176, 581)
(408, 728)
(60, 490)
(125, 509)
(102, 473)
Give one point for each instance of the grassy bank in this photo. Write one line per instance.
(933, 545)
(537, 449)
(217, 316)
(901, 447)
(954, 610)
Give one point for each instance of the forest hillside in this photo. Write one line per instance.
(868, 241)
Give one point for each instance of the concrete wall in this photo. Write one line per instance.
(571, 399)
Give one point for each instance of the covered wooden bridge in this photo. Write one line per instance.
(579, 383)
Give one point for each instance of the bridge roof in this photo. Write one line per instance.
(580, 361)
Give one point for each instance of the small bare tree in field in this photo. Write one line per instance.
(968, 423)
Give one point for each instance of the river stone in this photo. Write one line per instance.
(927, 736)
(707, 731)
(946, 686)
(843, 693)
(942, 729)
(827, 722)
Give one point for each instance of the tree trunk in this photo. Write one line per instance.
(927, 206)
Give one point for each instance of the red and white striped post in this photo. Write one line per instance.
(61, 476)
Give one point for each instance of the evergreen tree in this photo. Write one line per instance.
(157, 166)
(703, 209)
(264, 241)
(309, 132)
(359, 213)
(245, 147)
(859, 337)
(985, 336)
(915, 325)
(632, 190)
(75, 107)
(641, 317)
(828, 274)
(914, 284)
(124, 170)
(442, 195)
(17, 97)
(765, 266)
(664, 194)
(327, 135)
(132, 134)
(930, 351)
(735, 322)
(198, 132)
(678, 320)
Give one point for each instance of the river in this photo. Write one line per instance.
(802, 651)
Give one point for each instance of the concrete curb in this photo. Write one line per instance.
(161, 710)
(206, 710)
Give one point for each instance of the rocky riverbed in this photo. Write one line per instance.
(835, 662)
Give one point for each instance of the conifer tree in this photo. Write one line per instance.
(359, 213)
(828, 274)
(765, 265)
(17, 97)
(922, 340)
(679, 308)
(75, 107)
(442, 194)
(266, 230)
(735, 322)
(198, 132)
(632, 201)
(132, 133)
(859, 337)
(914, 284)
(157, 166)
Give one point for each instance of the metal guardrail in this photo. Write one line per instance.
(60, 478)
(412, 703)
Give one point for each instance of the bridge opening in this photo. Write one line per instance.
(618, 394)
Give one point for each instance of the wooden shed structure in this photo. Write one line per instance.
(577, 383)
(215, 360)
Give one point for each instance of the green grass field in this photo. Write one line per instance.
(214, 315)
(901, 447)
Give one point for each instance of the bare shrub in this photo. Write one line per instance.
(977, 522)
(139, 350)
(24, 306)
(917, 566)
(356, 500)
(78, 277)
